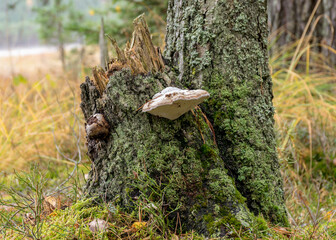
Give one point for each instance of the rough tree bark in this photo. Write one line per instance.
(220, 46)
(292, 17)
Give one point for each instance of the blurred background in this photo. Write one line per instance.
(47, 47)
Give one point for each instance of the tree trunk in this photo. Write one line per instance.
(61, 49)
(292, 16)
(221, 47)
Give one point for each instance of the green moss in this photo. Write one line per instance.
(222, 219)
(240, 197)
(247, 145)
(174, 162)
(73, 222)
(261, 223)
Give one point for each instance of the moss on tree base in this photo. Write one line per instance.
(141, 148)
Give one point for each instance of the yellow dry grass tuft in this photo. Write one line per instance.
(304, 98)
(38, 107)
(305, 89)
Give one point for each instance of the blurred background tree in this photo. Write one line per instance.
(118, 16)
(17, 23)
(64, 21)
(288, 20)
(51, 16)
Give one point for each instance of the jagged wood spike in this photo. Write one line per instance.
(104, 59)
(141, 56)
(120, 54)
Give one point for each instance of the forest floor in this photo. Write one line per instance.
(41, 122)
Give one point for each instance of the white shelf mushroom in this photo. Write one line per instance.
(173, 102)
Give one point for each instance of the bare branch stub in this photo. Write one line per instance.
(141, 56)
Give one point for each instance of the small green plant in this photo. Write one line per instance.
(23, 204)
(150, 207)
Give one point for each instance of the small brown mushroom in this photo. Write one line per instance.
(173, 102)
(97, 126)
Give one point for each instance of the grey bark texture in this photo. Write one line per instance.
(220, 46)
(291, 16)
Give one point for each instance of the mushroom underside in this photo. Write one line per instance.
(175, 109)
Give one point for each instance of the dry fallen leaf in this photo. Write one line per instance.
(282, 231)
(330, 215)
(138, 225)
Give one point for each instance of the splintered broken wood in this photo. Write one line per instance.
(100, 78)
(140, 56)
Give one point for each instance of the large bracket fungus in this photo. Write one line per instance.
(173, 102)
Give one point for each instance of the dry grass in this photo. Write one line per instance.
(41, 104)
(304, 90)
